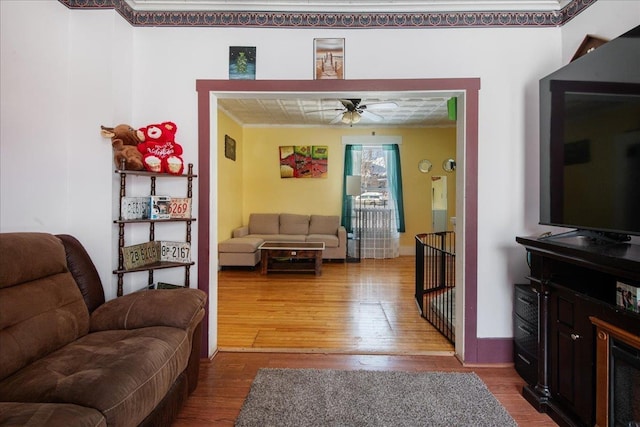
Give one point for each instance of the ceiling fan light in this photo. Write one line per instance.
(350, 117)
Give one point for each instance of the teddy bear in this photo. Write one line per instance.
(160, 152)
(124, 140)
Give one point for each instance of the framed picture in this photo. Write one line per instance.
(328, 59)
(589, 44)
(229, 148)
(304, 161)
(242, 63)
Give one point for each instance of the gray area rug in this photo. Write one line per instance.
(319, 397)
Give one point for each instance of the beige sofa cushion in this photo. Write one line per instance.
(240, 245)
(324, 224)
(330, 240)
(294, 224)
(260, 223)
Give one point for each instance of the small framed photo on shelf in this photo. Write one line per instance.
(242, 63)
(627, 297)
(328, 59)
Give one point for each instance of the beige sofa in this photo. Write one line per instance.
(242, 248)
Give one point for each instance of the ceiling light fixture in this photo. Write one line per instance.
(350, 117)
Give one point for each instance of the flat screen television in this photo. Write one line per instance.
(590, 143)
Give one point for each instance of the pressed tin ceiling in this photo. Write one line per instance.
(410, 111)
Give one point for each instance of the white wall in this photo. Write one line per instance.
(63, 75)
(92, 68)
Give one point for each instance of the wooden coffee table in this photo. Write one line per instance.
(299, 256)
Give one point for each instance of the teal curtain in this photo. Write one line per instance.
(352, 156)
(352, 162)
(394, 180)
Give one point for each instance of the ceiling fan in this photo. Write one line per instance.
(353, 110)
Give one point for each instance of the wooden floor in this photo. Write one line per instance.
(353, 316)
(225, 382)
(357, 308)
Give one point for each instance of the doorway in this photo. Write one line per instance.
(466, 203)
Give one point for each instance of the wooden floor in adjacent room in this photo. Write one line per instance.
(353, 316)
(358, 308)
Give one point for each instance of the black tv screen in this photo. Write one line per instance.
(593, 158)
(590, 141)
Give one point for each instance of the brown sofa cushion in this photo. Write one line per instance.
(27, 414)
(324, 224)
(123, 374)
(294, 224)
(84, 271)
(150, 308)
(38, 318)
(29, 256)
(260, 223)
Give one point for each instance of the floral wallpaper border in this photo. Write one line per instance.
(270, 19)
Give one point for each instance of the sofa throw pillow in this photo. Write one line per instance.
(324, 224)
(294, 224)
(260, 223)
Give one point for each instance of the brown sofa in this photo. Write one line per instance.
(68, 358)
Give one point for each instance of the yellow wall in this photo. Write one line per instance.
(435, 145)
(230, 178)
(262, 189)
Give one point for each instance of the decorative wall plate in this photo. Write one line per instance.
(425, 166)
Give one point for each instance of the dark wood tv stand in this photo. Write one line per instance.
(575, 278)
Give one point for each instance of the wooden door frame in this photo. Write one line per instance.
(470, 87)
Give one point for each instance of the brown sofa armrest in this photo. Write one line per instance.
(177, 308)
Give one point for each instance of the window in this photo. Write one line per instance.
(381, 180)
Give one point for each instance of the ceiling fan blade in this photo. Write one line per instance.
(371, 116)
(350, 104)
(326, 109)
(336, 119)
(379, 106)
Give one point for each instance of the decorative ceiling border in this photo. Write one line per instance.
(349, 20)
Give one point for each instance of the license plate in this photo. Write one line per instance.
(134, 208)
(175, 252)
(141, 255)
(180, 207)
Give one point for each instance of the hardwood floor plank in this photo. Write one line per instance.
(225, 382)
(366, 307)
(353, 316)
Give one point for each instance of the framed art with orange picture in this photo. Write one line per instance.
(303, 161)
(328, 59)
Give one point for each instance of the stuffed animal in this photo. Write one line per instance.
(160, 151)
(124, 140)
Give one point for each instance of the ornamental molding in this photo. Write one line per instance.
(339, 20)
